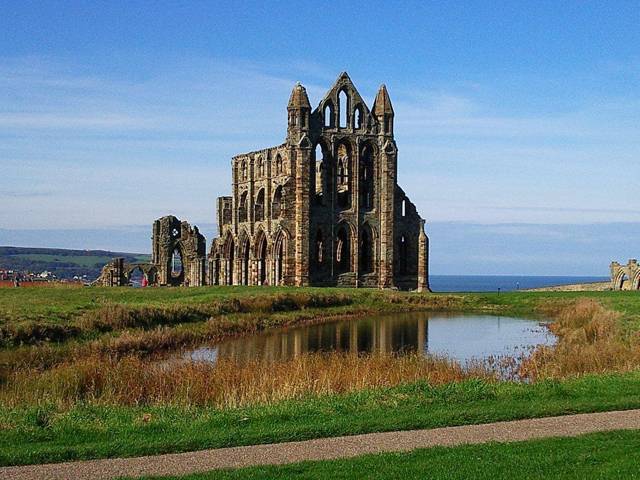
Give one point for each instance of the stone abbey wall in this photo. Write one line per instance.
(179, 258)
(323, 208)
(625, 277)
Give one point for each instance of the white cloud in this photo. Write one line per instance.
(175, 128)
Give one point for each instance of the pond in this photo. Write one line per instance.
(459, 337)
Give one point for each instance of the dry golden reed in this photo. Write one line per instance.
(133, 381)
(111, 370)
(589, 341)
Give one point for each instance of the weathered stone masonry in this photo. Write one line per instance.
(179, 258)
(323, 208)
(625, 277)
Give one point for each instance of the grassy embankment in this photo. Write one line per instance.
(96, 393)
(611, 455)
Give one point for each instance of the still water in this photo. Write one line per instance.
(460, 337)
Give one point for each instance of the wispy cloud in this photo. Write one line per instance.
(162, 140)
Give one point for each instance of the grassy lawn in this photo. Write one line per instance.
(38, 435)
(610, 455)
(60, 305)
(125, 321)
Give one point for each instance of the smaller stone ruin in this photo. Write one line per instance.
(118, 273)
(625, 277)
(178, 259)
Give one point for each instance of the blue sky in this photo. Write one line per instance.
(115, 113)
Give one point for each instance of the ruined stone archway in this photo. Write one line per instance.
(367, 250)
(625, 277)
(171, 235)
(149, 273)
(343, 249)
(230, 255)
(244, 259)
(280, 264)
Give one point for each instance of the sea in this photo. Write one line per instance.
(502, 283)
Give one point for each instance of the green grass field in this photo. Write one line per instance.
(49, 432)
(610, 455)
(62, 304)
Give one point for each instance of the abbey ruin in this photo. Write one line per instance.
(179, 258)
(324, 208)
(625, 277)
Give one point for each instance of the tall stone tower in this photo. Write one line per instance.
(323, 208)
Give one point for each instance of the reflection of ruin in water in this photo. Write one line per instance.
(460, 337)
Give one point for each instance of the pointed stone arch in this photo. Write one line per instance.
(367, 250)
(244, 258)
(319, 257)
(328, 114)
(229, 255)
(259, 206)
(261, 255)
(345, 235)
(277, 204)
(280, 257)
(243, 206)
(343, 168)
(344, 106)
(367, 170)
(322, 173)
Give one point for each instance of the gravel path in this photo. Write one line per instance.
(327, 448)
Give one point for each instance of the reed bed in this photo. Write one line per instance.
(121, 330)
(134, 381)
(589, 341)
(119, 368)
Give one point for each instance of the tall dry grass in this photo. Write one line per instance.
(133, 381)
(106, 372)
(589, 341)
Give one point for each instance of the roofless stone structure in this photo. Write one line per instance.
(625, 277)
(179, 258)
(323, 208)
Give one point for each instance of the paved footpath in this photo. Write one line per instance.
(327, 448)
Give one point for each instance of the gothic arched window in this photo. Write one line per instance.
(276, 205)
(328, 115)
(259, 206)
(242, 208)
(343, 108)
(260, 167)
(357, 118)
(343, 251)
(343, 166)
(243, 170)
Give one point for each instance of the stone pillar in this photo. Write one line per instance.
(355, 202)
(302, 153)
(423, 260)
(387, 175)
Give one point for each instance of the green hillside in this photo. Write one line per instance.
(61, 262)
